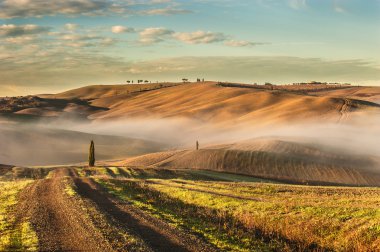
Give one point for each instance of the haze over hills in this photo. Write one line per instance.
(36, 145)
(271, 158)
(287, 140)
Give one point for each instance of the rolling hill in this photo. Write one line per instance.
(371, 94)
(273, 158)
(207, 102)
(201, 102)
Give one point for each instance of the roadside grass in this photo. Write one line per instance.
(70, 188)
(151, 173)
(218, 231)
(14, 237)
(286, 216)
(222, 176)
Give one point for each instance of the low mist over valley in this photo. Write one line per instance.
(276, 128)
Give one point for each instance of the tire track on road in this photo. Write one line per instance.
(159, 235)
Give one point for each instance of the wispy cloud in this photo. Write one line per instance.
(121, 29)
(12, 30)
(154, 35)
(39, 8)
(200, 37)
(338, 7)
(243, 43)
(164, 11)
(71, 26)
(297, 4)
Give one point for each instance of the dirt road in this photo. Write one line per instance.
(58, 221)
(62, 222)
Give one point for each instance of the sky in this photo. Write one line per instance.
(48, 46)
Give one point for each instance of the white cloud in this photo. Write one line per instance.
(39, 8)
(36, 8)
(164, 12)
(121, 29)
(19, 40)
(71, 27)
(11, 30)
(154, 35)
(242, 43)
(200, 37)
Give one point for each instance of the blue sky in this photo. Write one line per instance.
(48, 46)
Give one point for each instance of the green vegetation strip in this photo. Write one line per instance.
(20, 237)
(303, 217)
(218, 228)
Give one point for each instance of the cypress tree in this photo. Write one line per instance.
(91, 155)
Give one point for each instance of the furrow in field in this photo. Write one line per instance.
(205, 191)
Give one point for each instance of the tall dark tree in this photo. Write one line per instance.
(197, 145)
(91, 155)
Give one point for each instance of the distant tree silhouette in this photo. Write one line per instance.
(91, 155)
(197, 145)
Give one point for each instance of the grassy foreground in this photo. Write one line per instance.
(248, 216)
(15, 235)
(229, 212)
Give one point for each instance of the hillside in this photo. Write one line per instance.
(104, 91)
(201, 103)
(270, 158)
(230, 106)
(371, 94)
(208, 102)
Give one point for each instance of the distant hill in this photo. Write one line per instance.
(104, 91)
(201, 102)
(371, 94)
(284, 160)
(210, 103)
